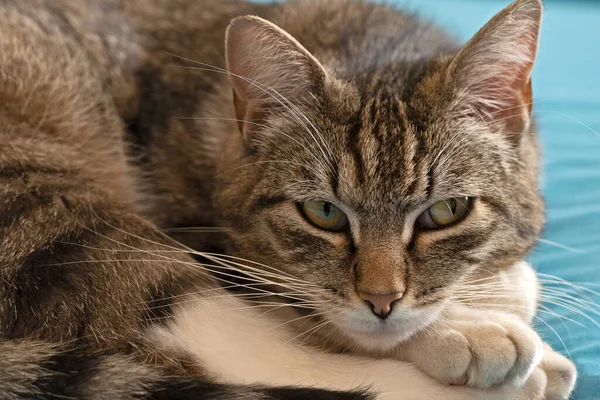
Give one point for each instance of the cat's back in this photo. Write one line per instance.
(357, 36)
(347, 35)
(360, 27)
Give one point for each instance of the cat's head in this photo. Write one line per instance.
(376, 191)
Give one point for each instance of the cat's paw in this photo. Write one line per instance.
(502, 352)
(560, 373)
(479, 354)
(533, 389)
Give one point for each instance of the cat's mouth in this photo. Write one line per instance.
(372, 333)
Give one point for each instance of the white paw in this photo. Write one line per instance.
(480, 354)
(533, 389)
(502, 353)
(560, 373)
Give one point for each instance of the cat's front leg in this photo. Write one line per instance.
(240, 345)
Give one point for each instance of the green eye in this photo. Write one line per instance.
(324, 215)
(445, 212)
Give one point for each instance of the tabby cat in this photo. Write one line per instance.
(368, 190)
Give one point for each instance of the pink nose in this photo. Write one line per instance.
(382, 304)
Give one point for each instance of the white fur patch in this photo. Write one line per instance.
(240, 345)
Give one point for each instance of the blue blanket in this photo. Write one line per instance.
(566, 88)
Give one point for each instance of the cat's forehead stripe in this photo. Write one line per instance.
(389, 160)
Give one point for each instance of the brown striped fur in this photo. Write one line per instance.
(118, 123)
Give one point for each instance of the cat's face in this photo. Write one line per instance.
(376, 196)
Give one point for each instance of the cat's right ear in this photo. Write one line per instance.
(491, 75)
(268, 69)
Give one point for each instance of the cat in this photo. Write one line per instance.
(371, 185)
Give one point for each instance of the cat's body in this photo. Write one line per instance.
(89, 284)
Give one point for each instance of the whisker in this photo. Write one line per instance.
(266, 162)
(561, 246)
(538, 319)
(301, 318)
(214, 270)
(570, 306)
(215, 257)
(309, 331)
(221, 273)
(226, 256)
(566, 293)
(294, 110)
(196, 229)
(220, 289)
(561, 302)
(556, 280)
(575, 120)
(309, 151)
(248, 272)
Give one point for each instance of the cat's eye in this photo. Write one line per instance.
(324, 215)
(444, 213)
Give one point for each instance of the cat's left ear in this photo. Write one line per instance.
(269, 70)
(491, 75)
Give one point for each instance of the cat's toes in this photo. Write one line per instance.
(532, 389)
(479, 354)
(447, 357)
(561, 374)
(493, 354)
(501, 353)
(529, 347)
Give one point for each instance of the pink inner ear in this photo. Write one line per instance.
(507, 98)
(491, 74)
(267, 67)
(250, 115)
(267, 55)
(237, 67)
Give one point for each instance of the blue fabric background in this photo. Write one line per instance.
(566, 88)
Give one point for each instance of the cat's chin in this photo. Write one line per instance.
(374, 335)
(379, 341)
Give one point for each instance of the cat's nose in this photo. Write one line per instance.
(381, 304)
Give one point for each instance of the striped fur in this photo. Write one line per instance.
(120, 131)
(37, 370)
